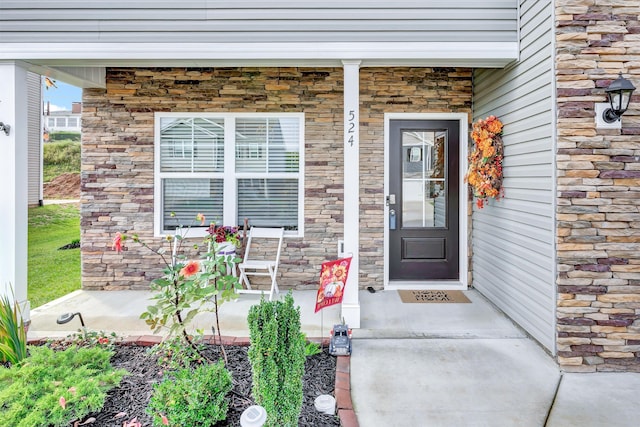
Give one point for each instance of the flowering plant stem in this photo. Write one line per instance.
(187, 286)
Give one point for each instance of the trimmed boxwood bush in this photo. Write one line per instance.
(277, 356)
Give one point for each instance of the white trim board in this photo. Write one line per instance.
(459, 54)
(462, 283)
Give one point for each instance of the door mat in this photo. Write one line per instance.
(422, 296)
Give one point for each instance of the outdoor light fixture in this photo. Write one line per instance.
(253, 416)
(619, 94)
(67, 317)
(5, 128)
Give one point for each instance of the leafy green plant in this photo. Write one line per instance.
(186, 287)
(13, 337)
(277, 357)
(54, 388)
(192, 397)
(310, 348)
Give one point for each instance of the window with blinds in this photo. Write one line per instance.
(229, 167)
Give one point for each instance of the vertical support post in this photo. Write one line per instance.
(350, 301)
(14, 178)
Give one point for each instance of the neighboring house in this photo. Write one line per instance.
(320, 117)
(64, 120)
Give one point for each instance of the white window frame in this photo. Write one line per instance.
(230, 176)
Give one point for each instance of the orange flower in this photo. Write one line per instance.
(200, 217)
(489, 151)
(190, 269)
(494, 125)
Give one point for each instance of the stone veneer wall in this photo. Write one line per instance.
(598, 189)
(117, 155)
(396, 90)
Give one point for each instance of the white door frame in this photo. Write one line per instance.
(462, 283)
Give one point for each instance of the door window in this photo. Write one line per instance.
(423, 179)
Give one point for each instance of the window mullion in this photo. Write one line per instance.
(267, 169)
(193, 146)
(230, 183)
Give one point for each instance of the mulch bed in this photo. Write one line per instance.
(130, 399)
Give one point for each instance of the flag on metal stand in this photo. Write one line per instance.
(333, 279)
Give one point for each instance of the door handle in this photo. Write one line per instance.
(392, 219)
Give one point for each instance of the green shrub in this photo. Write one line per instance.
(192, 397)
(60, 157)
(54, 388)
(13, 337)
(64, 135)
(277, 356)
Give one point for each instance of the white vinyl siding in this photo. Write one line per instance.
(230, 167)
(250, 21)
(513, 239)
(34, 138)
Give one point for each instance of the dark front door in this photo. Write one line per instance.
(423, 200)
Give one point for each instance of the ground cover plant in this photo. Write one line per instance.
(55, 388)
(52, 272)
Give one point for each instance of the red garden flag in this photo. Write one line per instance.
(333, 278)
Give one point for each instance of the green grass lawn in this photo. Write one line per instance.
(52, 272)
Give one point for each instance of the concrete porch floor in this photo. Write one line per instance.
(412, 364)
(119, 311)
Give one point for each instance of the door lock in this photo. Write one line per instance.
(391, 199)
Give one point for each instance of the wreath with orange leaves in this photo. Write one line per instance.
(485, 161)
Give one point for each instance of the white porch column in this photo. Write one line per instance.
(14, 180)
(350, 301)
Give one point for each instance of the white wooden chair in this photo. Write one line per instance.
(266, 265)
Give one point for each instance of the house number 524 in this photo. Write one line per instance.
(351, 126)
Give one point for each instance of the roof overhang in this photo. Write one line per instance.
(53, 57)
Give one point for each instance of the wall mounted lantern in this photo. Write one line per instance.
(619, 94)
(5, 128)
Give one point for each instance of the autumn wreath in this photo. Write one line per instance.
(485, 161)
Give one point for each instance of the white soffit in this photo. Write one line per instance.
(443, 54)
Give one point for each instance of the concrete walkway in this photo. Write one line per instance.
(413, 364)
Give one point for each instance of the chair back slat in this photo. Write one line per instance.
(260, 233)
